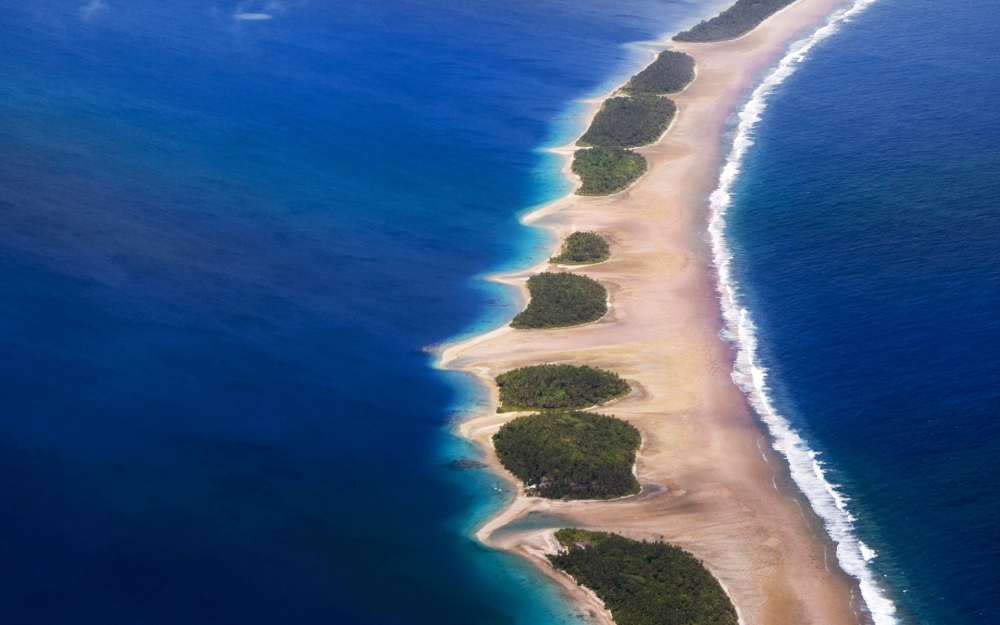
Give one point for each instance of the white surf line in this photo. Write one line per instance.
(750, 376)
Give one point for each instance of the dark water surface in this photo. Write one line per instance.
(866, 235)
(224, 244)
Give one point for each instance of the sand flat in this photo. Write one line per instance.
(711, 483)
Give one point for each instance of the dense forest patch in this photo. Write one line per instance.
(737, 20)
(607, 170)
(669, 73)
(582, 248)
(560, 300)
(570, 455)
(644, 583)
(629, 122)
(554, 387)
(625, 122)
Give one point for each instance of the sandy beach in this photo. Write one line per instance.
(710, 481)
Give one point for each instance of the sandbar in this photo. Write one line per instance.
(710, 481)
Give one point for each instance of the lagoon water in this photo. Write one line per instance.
(227, 233)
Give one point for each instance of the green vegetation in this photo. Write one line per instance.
(582, 248)
(626, 122)
(607, 170)
(556, 387)
(738, 19)
(570, 455)
(669, 73)
(562, 299)
(629, 122)
(644, 583)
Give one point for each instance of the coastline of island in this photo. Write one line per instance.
(711, 483)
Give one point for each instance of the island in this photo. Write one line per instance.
(737, 20)
(570, 454)
(644, 583)
(629, 122)
(638, 118)
(562, 299)
(711, 487)
(607, 170)
(669, 73)
(583, 248)
(554, 387)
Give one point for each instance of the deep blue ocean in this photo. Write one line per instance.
(865, 233)
(226, 242)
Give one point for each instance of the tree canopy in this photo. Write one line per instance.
(629, 122)
(644, 583)
(562, 299)
(669, 73)
(554, 387)
(582, 248)
(570, 455)
(607, 170)
(737, 20)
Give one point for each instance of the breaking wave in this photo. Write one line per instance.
(806, 469)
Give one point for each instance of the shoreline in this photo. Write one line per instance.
(708, 484)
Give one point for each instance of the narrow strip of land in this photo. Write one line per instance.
(710, 483)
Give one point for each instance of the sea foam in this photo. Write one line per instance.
(806, 469)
